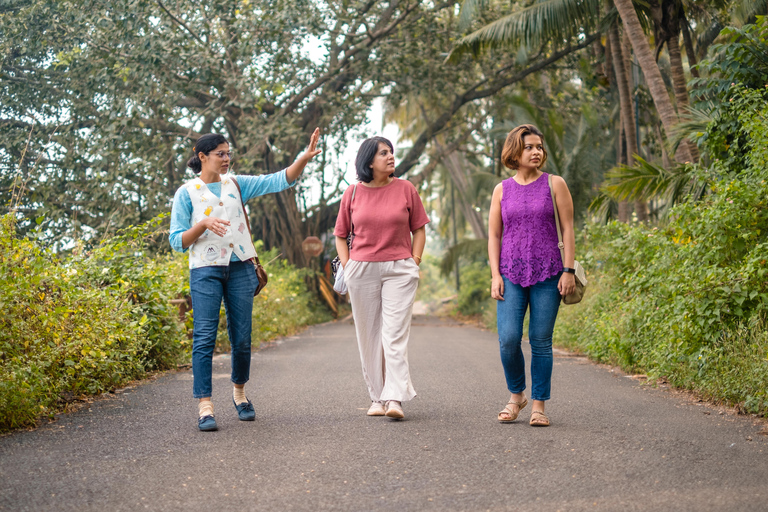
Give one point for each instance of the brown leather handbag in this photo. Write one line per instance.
(260, 272)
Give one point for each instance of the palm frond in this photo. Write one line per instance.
(469, 248)
(693, 127)
(645, 181)
(558, 21)
(483, 183)
(469, 8)
(743, 11)
(602, 207)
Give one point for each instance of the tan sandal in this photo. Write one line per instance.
(512, 415)
(539, 419)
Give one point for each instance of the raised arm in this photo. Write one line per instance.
(296, 168)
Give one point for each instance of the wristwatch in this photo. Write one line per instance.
(569, 270)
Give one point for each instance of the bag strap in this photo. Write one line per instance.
(247, 220)
(560, 243)
(351, 224)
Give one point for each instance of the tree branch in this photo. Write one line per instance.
(472, 94)
(178, 21)
(348, 55)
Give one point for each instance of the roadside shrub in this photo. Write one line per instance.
(474, 294)
(66, 333)
(688, 302)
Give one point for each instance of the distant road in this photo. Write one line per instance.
(614, 444)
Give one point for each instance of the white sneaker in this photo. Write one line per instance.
(376, 409)
(394, 410)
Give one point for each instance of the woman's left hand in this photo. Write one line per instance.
(567, 284)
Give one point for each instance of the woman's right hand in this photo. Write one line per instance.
(215, 225)
(497, 288)
(343, 262)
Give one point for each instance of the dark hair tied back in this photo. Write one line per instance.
(365, 156)
(205, 145)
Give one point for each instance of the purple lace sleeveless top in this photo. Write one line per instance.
(529, 251)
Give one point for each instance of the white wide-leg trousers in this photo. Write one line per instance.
(382, 294)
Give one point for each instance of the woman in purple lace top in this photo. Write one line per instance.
(526, 266)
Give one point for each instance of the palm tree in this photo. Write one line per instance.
(553, 22)
(653, 78)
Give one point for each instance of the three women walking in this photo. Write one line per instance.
(387, 220)
(527, 270)
(208, 219)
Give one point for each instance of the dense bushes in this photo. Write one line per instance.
(92, 321)
(688, 301)
(82, 325)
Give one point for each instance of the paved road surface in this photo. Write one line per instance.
(614, 443)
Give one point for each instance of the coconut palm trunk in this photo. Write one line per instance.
(688, 43)
(655, 82)
(679, 84)
(627, 117)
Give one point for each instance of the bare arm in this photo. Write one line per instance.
(564, 202)
(495, 229)
(419, 241)
(342, 250)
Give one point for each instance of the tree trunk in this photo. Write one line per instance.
(627, 118)
(455, 165)
(655, 82)
(625, 98)
(625, 210)
(681, 90)
(688, 43)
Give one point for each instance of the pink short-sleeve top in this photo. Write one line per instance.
(383, 219)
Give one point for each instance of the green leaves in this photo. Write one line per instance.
(688, 301)
(555, 21)
(82, 325)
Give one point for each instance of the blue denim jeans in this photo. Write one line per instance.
(544, 301)
(234, 284)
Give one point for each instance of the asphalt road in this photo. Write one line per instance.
(614, 443)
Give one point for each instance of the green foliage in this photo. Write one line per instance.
(474, 294)
(529, 25)
(82, 325)
(739, 63)
(92, 321)
(283, 307)
(434, 287)
(109, 95)
(688, 302)
(741, 58)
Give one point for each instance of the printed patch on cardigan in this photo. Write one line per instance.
(210, 253)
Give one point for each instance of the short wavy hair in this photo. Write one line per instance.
(513, 146)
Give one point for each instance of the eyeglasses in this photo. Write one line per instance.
(222, 154)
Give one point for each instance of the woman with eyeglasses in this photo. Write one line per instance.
(208, 219)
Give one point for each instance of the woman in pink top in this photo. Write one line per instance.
(381, 270)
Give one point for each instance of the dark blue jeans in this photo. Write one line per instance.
(234, 284)
(544, 301)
